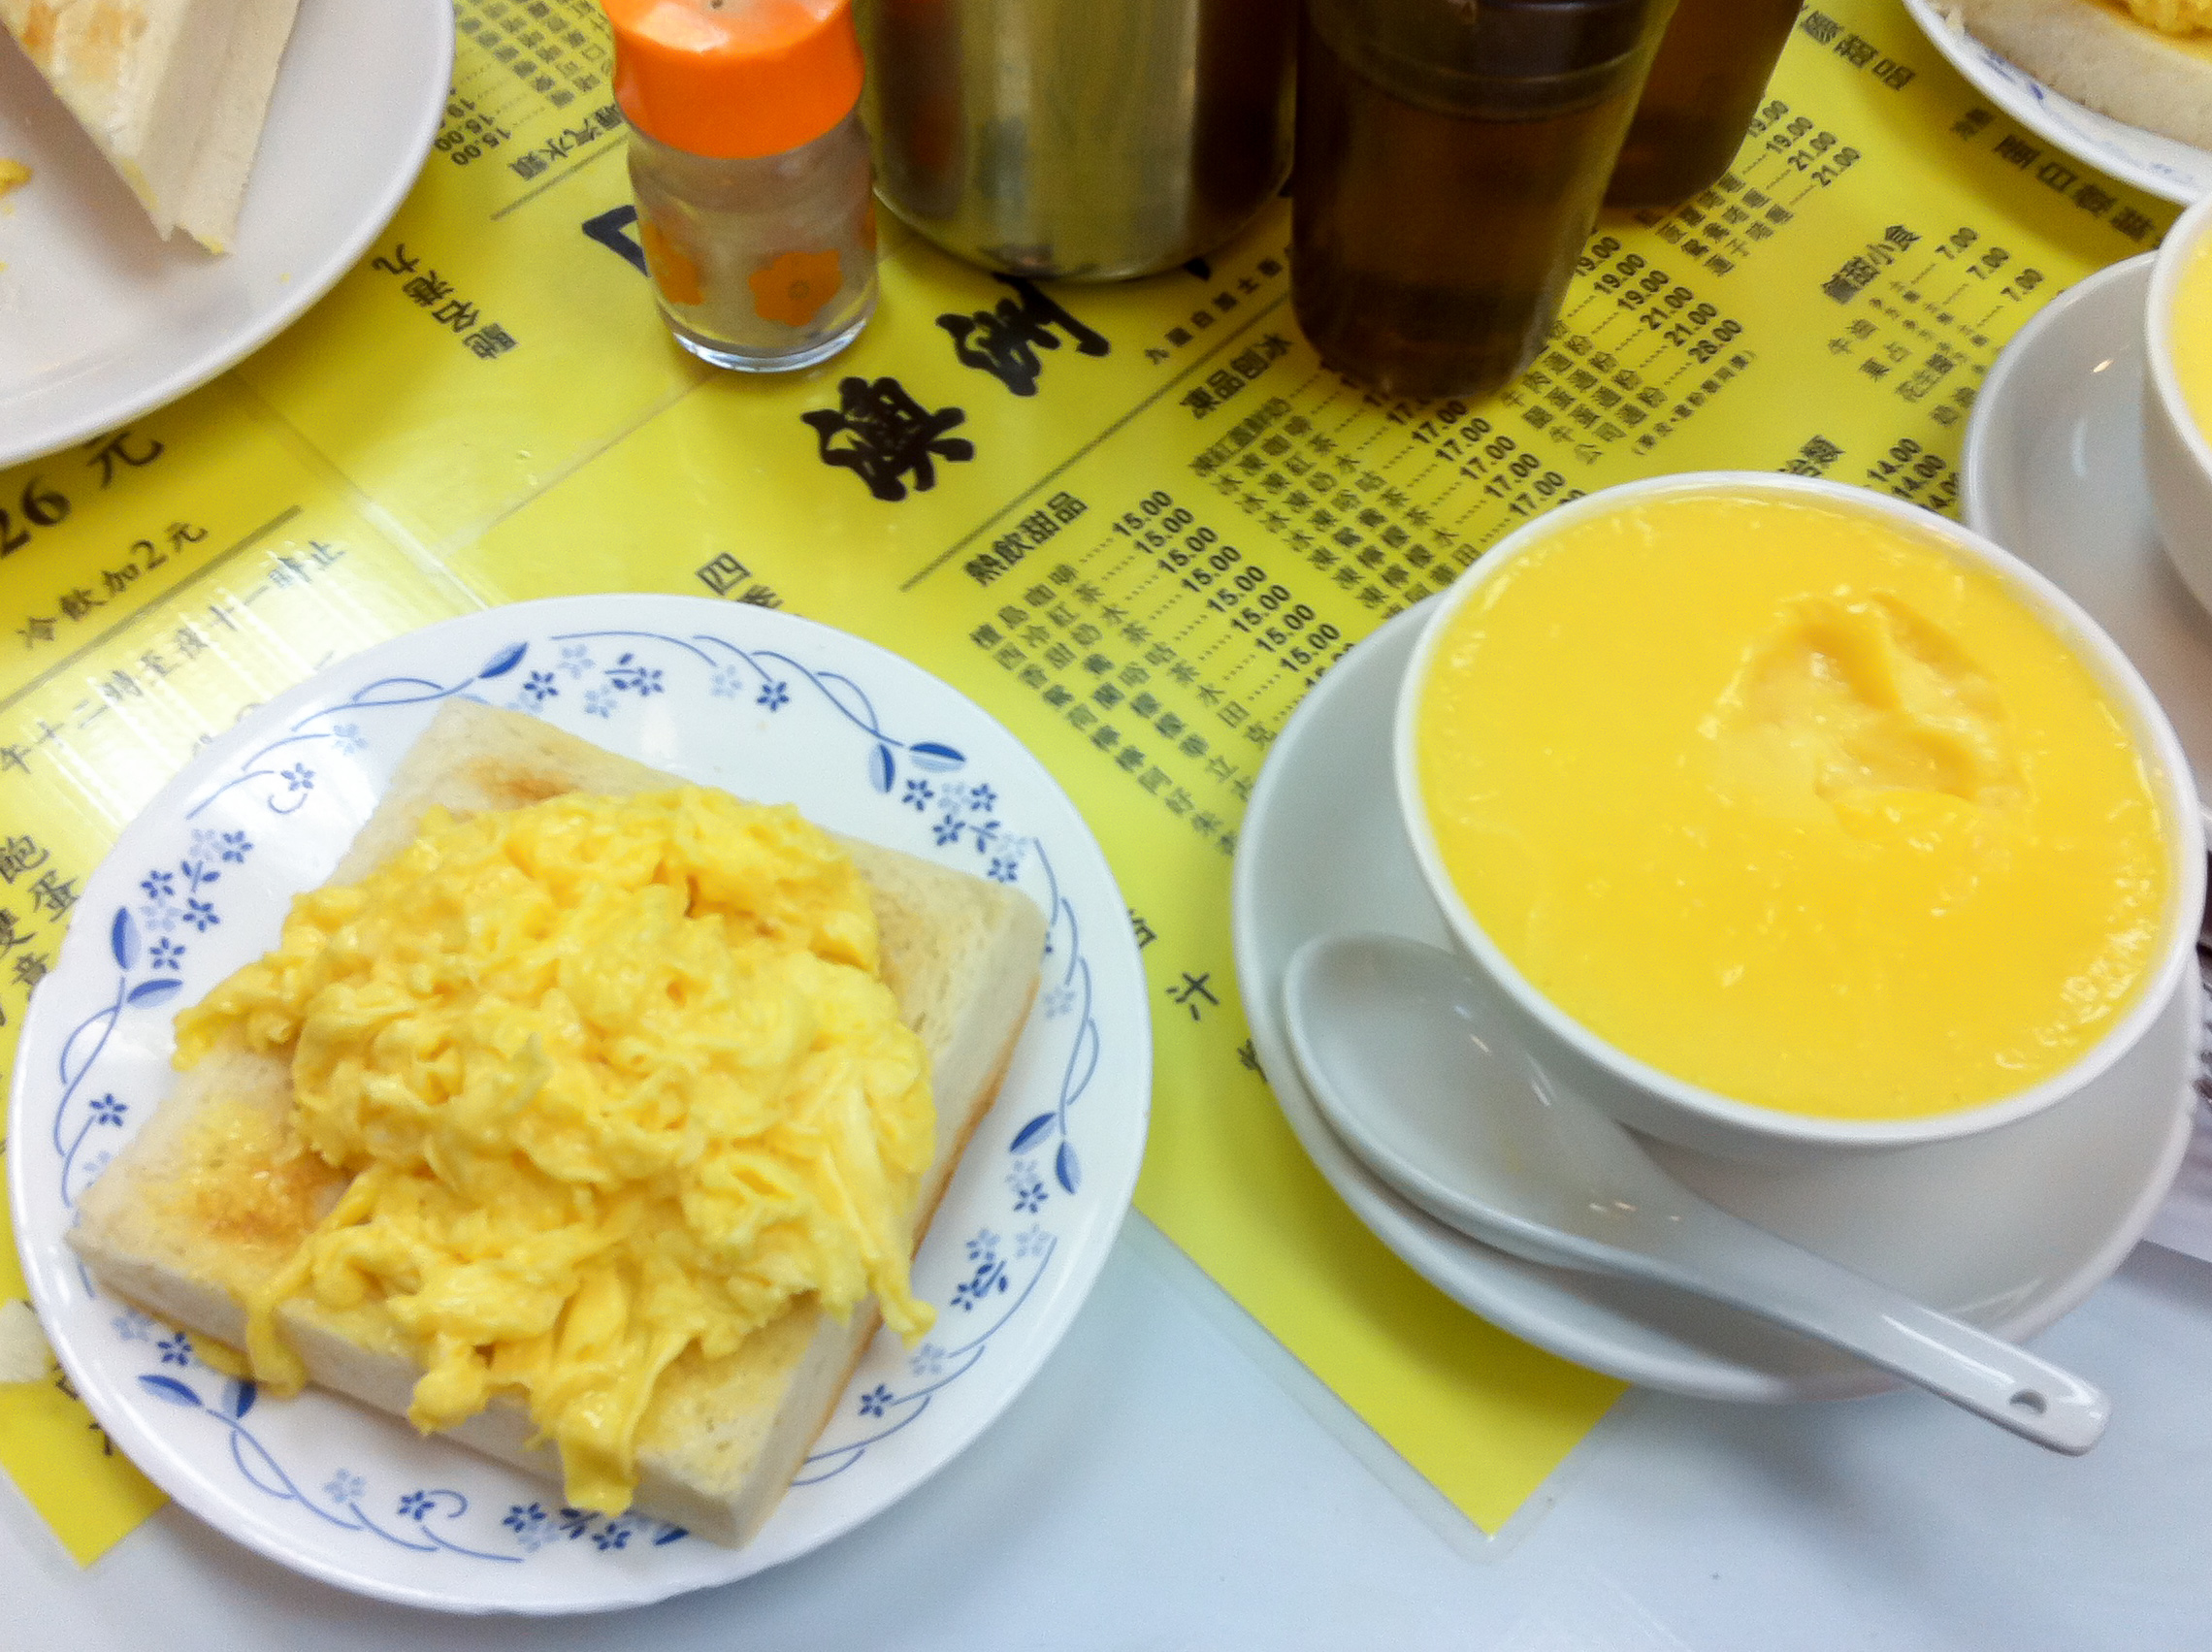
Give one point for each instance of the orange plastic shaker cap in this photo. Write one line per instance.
(734, 77)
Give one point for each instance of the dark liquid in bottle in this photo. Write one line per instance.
(1705, 87)
(1431, 244)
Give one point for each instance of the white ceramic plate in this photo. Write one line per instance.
(2007, 1230)
(101, 320)
(2165, 166)
(772, 708)
(2053, 472)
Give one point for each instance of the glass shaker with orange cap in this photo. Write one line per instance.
(751, 171)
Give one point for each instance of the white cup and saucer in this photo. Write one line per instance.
(2081, 460)
(2005, 1226)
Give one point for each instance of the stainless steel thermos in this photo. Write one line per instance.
(1084, 138)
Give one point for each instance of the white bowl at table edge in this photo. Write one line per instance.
(2177, 456)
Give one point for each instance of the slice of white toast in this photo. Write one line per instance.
(207, 208)
(2100, 53)
(174, 92)
(210, 1198)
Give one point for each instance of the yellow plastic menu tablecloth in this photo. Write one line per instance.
(488, 409)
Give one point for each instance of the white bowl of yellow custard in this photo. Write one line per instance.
(2177, 404)
(1786, 818)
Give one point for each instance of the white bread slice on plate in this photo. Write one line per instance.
(2095, 52)
(174, 93)
(207, 1200)
(207, 208)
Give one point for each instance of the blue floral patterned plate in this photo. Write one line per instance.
(2160, 166)
(772, 708)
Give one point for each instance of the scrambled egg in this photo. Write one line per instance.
(614, 1078)
(14, 175)
(2174, 16)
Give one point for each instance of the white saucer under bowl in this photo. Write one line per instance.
(2007, 1230)
(2053, 471)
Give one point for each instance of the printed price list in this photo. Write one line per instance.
(1138, 522)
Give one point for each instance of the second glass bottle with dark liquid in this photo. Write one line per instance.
(1451, 157)
(1706, 84)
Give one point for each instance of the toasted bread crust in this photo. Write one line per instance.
(2095, 52)
(215, 1195)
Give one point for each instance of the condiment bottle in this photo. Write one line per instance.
(1705, 87)
(751, 171)
(1451, 156)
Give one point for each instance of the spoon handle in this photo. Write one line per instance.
(1730, 1260)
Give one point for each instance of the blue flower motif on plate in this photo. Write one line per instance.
(927, 775)
(989, 1276)
(627, 675)
(1028, 1187)
(528, 1521)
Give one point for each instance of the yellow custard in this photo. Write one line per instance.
(1784, 799)
(2192, 333)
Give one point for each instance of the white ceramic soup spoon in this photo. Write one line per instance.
(1408, 1062)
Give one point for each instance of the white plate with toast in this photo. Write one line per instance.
(770, 707)
(102, 319)
(2162, 166)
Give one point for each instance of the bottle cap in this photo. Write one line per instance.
(734, 77)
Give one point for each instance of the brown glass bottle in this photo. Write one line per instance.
(1706, 84)
(1450, 161)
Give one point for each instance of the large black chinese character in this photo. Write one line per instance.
(889, 434)
(1008, 335)
(116, 450)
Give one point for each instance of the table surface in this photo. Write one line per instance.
(1174, 1478)
(1185, 1469)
